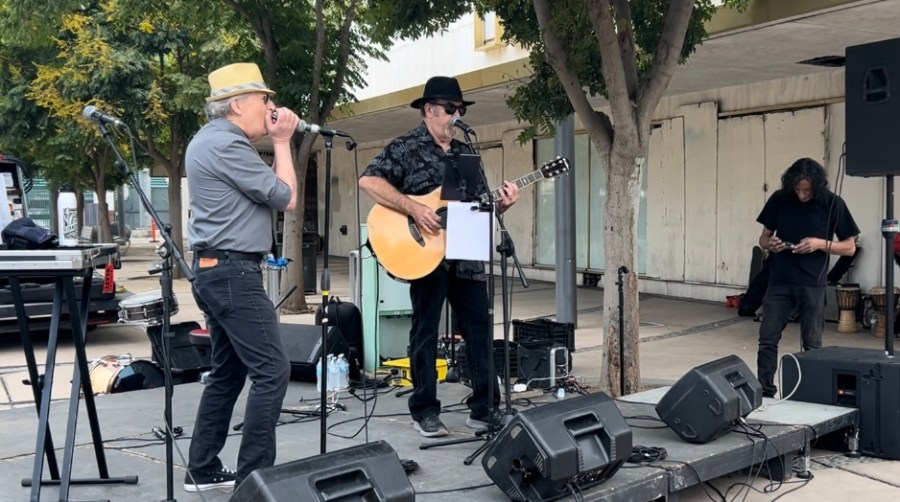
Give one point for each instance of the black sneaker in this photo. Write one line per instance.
(430, 427)
(481, 422)
(202, 481)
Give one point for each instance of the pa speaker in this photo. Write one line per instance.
(370, 472)
(581, 441)
(872, 94)
(865, 379)
(303, 345)
(709, 400)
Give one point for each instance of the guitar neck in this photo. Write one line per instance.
(522, 182)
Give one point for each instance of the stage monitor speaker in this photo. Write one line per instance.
(369, 472)
(708, 401)
(872, 96)
(865, 379)
(303, 346)
(580, 441)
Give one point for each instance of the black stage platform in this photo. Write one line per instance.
(128, 420)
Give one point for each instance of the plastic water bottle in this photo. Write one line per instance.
(319, 375)
(332, 372)
(344, 371)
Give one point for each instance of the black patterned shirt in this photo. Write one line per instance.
(415, 164)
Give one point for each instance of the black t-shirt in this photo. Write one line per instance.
(792, 221)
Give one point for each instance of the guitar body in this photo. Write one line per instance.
(397, 243)
(405, 252)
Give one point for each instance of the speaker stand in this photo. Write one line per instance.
(889, 229)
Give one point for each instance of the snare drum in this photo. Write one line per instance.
(847, 299)
(145, 308)
(113, 374)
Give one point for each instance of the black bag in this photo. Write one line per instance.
(25, 234)
(347, 318)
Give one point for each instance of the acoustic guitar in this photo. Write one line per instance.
(408, 253)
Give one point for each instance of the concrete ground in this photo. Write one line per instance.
(676, 335)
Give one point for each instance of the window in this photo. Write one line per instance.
(488, 32)
(590, 198)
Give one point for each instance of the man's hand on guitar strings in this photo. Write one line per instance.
(427, 219)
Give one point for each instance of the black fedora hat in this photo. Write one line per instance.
(446, 88)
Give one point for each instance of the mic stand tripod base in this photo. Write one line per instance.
(485, 435)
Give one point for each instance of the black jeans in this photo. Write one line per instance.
(469, 301)
(779, 304)
(243, 329)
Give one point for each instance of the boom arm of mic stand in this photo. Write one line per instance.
(145, 201)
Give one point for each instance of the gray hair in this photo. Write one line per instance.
(221, 108)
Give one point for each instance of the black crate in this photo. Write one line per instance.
(535, 330)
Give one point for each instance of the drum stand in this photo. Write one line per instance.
(171, 254)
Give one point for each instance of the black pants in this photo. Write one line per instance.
(243, 329)
(469, 301)
(779, 304)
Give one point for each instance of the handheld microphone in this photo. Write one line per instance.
(91, 112)
(304, 126)
(456, 122)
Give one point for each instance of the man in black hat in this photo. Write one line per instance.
(414, 164)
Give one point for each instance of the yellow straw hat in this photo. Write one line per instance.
(234, 79)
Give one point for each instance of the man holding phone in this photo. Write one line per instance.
(800, 222)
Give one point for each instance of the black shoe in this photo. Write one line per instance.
(202, 481)
(481, 422)
(430, 427)
(770, 395)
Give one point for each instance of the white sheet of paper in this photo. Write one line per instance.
(468, 232)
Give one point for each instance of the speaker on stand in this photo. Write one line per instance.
(872, 93)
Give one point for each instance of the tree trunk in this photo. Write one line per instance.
(175, 217)
(623, 182)
(293, 234)
(105, 232)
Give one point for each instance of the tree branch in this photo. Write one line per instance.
(341, 65)
(625, 29)
(262, 28)
(602, 20)
(668, 50)
(318, 57)
(556, 56)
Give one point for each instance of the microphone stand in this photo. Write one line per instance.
(620, 283)
(171, 255)
(325, 281)
(506, 248)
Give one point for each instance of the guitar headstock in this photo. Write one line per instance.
(555, 167)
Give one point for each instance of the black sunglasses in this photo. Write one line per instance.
(450, 108)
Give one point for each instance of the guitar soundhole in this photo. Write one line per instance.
(414, 231)
(442, 214)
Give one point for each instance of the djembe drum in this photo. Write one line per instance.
(847, 300)
(879, 300)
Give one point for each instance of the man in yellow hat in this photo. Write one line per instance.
(232, 195)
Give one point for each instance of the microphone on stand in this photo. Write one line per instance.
(305, 127)
(91, 112)
(456, 122)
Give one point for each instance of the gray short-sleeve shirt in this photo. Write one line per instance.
(232, 191)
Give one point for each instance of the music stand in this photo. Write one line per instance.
(460, 182)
